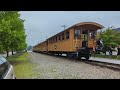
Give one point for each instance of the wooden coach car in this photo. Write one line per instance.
(78, 40)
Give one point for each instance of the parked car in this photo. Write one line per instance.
(6, 69)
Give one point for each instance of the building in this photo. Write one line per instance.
(117, 29)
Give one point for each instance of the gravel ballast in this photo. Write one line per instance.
(50, 67)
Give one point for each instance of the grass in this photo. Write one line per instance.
(108, 56)
(23, 67)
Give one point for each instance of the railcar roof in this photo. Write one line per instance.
(76, 25)
(90, 23)
(80, 24)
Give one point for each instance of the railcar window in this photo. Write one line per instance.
(59, 37)
(67, 35)
(53, 39)
(56, 38)
(77, 34)
(62, 36)
(49, 40)
(84, 37)
(92, 34)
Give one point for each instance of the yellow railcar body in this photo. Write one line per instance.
(62, 45)
(71, 44)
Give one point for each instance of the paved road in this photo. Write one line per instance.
(113, 61)
(50, 67)
(4, 55)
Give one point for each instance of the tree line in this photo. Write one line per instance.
(12, 32)
(110, 37)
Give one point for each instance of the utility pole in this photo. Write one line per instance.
(64, 26)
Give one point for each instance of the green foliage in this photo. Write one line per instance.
(110, 38)
(1, 49)
(108, 56)
(12, 34)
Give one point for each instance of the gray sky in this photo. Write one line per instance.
(40, 25)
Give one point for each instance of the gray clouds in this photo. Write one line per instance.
(42, 24)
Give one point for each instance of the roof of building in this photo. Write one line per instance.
(118, 29)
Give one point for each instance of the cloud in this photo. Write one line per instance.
(49, 23)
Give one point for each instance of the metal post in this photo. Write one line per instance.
(64, 26)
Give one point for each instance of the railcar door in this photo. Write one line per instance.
(85, 38)
(92, 38)
(77, 39)
(46, 45)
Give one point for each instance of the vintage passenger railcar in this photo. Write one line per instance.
(77, 40)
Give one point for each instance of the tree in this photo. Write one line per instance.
(5, 35)
(110, 38)
(12, 33)
(18, 33)
(1, 48)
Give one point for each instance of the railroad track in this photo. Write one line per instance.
(112, 66)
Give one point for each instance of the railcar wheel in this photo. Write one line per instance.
(80, 58)
(69, 55)
(87, 57)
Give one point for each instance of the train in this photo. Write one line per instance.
(77, 41)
